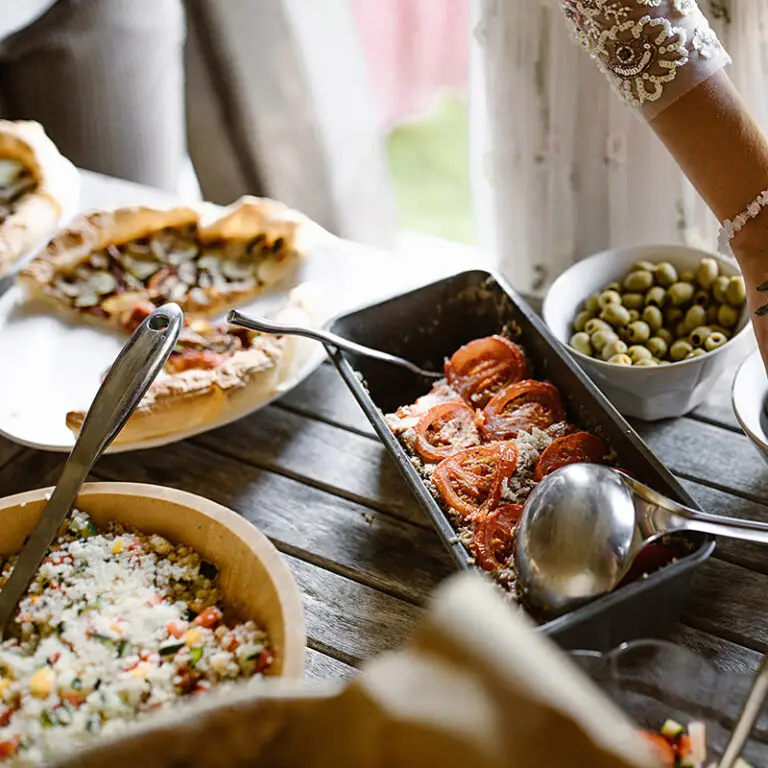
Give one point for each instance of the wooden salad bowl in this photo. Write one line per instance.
(254, 580)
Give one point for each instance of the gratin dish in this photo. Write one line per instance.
(645, 393)
(254, 580)
(426, 326)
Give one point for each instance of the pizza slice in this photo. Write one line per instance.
(214, 367)
(108, 262)
(29, 210)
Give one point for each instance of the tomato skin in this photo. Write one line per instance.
(662, 748)
(482, 367)
(457, 419)
(520, 407)
(579, 447)
(494, 536)
(9, 747)
(208, 618)
(469, 482)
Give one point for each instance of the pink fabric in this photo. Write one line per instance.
(413, 48)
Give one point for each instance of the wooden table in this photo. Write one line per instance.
(311, 474)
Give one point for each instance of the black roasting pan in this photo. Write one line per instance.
(428, 324)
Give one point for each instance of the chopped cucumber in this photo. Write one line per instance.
(195, 655)
(672, 730)
(740, 763)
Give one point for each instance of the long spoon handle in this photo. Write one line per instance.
(268, 326)
(748, 717)
(126, 383)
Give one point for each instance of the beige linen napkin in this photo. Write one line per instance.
(476, 686)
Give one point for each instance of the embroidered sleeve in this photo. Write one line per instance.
(652, 51)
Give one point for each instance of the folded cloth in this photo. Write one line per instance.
(476, 686)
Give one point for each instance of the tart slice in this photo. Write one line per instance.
(108, 262)
(29, 210)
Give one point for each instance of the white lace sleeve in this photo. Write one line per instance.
(652, 51)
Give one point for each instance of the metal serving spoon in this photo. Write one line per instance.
(278, 329)
(584, 524)
(126, 382)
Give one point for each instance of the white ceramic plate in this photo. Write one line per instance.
(749, 396)
(53, 364)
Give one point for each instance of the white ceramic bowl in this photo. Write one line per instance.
(749, 396)
(646, 393)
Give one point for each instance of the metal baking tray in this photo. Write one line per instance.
(427, 325)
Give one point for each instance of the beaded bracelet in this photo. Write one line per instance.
(731, 227)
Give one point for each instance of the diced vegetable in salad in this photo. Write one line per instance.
(681, 747)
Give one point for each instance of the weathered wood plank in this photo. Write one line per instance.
(324, 395)
(723, 654)
(718, 408)
(729, 601)
(318, 666)
(353, 621)
(327, 457)
(29, 470)
(710, 454)
(8, 451)
(381, 551)
(717, 502)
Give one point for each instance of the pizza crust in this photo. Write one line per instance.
(196, 397)
(38, 212)
(244, 220)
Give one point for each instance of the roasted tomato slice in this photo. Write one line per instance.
(577, 448)
(661, 748)
(484, 366)
(445, 429)
(520, 407)
(495, 535)
(469, 482)
(201, 359)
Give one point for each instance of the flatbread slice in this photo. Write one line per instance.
(108, 262)
(29, 210)
(215, 367)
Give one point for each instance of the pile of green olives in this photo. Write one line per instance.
(657, 315)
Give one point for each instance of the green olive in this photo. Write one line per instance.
(600, 338)
(615, 314)
(673, 316)
(662, 362)
(643, 266)
(681, 330)
(719, 287)
(637, 353)
(596, 324)
(609, 297)
(652, 315)
(641, 280)
(656, 296)
(621, 360)
(701, 298)
(687, 276)
(665, 335)
(707, 272)
(720, 329)
(665, 274)
(581, 343)
(712, 313)
(695, 353)
(581, 320)
(646, 362)
(633, 315)
(615, 286)
(612, 348)
(633, 300)
(592, 304)
(679, 350)
(714, 341)
(657, 346)
(699, 335)
(736, 292)
(695, 317)
(638, 331)
(680, 293)
(728, 316)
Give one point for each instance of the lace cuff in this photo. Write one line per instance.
(652, 51)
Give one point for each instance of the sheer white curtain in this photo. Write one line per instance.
(561, 168)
